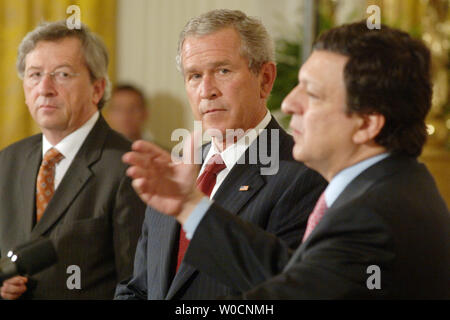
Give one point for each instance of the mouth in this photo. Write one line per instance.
(295, 132)
(47, 107)
(213, 111)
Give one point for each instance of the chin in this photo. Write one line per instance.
(214, 130)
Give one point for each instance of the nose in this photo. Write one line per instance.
(47, 86)
(294, 102)
(208, 88)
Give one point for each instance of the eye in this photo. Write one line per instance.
(312, 95)
(35, 75)
(224, 71)
(194, 76)
(62, 74)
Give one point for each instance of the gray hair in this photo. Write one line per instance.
(95, 52)
(256, 43)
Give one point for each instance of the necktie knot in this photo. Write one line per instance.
(52, 156)
(207, 179)
(215, 164)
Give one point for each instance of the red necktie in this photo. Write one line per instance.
(205, 183)
(45, 185)
(315, 216)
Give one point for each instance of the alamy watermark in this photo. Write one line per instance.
(374, 21)
(263, 146)
(374, 280)
(74, 278)
(74, 21)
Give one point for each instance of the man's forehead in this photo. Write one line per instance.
(322, 66)
(222, 41)
(65, 48)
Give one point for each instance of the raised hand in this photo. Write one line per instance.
(163, 183)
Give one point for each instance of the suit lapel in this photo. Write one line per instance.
(28, 182)
(356, 189)
(229, 195)
(75, 178)
(367, 178)
(184, 273)
(230, 198)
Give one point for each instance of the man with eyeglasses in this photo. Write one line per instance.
(68, 183)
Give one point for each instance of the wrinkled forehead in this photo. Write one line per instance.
(48, 53)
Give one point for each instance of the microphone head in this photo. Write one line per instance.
(35, 256)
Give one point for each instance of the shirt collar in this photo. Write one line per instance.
(234, 152)
(70, 145)
(344, 177)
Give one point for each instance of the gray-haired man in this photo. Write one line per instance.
(68, 183)
(227, 62)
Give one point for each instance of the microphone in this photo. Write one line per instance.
(28, 259)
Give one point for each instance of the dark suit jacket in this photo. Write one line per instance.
(391, 216)
(278, 203)
(94, 218)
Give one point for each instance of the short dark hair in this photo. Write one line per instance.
(388, 72)
(129, 87)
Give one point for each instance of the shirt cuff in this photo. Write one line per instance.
(196, 216)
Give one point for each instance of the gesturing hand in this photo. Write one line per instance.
(166, 185)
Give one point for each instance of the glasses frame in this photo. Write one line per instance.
(53, 76)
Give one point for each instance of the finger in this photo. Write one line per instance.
(142, 146)
(13, 289)
(141, 186)
(19, 280)
(11, 296)
(156, 170)
(138, 158)
(7, 296)
(145, 160)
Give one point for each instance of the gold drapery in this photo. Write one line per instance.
(21, 16)
(430, 21)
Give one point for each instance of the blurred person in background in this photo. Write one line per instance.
(128, 113)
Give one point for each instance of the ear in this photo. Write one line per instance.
(99, 89)
(267, 76)
(369, 126)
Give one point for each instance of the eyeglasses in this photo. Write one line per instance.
(60, 77)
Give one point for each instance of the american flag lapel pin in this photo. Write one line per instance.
(244, 188)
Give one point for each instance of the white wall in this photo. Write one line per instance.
(146, 47)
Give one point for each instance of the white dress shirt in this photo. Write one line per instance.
(332, 192)
(234, 152)
(69, 147)
(230, 157)
(344, 177)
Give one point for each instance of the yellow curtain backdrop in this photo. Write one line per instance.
(430, 20)
(21, 16)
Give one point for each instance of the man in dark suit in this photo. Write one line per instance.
(380, 229)
(81, 199)
(259, 181)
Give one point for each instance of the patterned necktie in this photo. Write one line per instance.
(205, 183)
(45, 185)
(315, 216)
